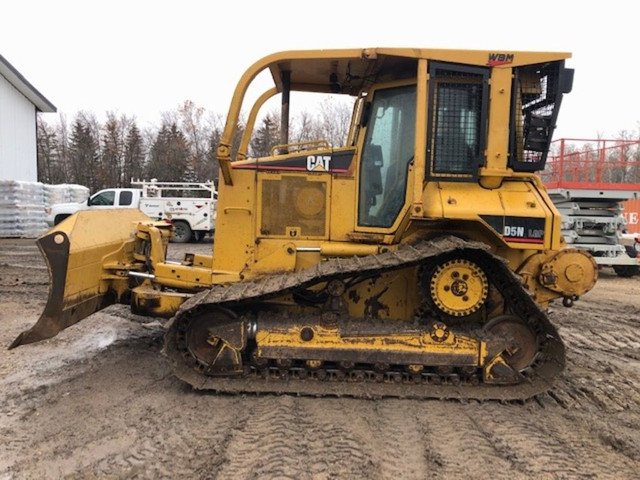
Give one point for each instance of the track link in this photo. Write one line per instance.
(364, 382)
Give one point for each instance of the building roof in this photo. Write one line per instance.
(15, 78)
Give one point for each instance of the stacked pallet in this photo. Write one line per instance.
(23, 204)
(64, 193)
(21, 209)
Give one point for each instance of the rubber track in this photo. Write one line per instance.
(536, 379)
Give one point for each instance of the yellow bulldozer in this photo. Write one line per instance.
(417, 260)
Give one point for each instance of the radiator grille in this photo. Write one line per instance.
(293, 204)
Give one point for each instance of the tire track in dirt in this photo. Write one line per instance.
(546, 445)
(415, 439)
(597, 369)
(396, 439)
(168, 446)
(281, 441)
(367, 439)
(268, 445)
(340, 437)
(464, 451)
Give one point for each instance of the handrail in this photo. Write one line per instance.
(606, 164)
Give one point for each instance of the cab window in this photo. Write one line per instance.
(386, 154)
(106, 198)
(126, 197)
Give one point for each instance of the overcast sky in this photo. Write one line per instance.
(142, 58)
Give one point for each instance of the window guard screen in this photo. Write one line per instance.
(536, 95)
(457, 117)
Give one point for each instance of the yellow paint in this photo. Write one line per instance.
(467, 349)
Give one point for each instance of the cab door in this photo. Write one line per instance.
(387, 154)
(103, 199)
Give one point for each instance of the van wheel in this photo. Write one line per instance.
(181, 232)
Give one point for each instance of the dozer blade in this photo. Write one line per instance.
(76, 251)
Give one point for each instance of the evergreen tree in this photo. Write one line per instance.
(111, 164)
(266, 136)
(169, 156)
(134, 156)
(84, 155)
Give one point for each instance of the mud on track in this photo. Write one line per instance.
(98, 401)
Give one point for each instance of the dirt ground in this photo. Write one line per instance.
(99, 402)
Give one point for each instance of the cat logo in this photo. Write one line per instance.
(318, 162)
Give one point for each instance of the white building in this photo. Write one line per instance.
(19, 104)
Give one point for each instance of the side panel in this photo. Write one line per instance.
(516, 213)
(199, 213)
(278, 203)
(631, 213)
(234, 237)
(17, 135)
(343, 208)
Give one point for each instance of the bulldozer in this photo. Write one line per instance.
(417, 260)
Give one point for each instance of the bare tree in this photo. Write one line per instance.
(334, 119)
(47, 146)
(64, 161)
(303, 127)
(215, 129)
(197, 135)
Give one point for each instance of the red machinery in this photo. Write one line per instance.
(596, 186)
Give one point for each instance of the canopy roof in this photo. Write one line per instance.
(348, 71)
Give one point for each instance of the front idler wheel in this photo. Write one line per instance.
(215, 340)
(521, 342)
